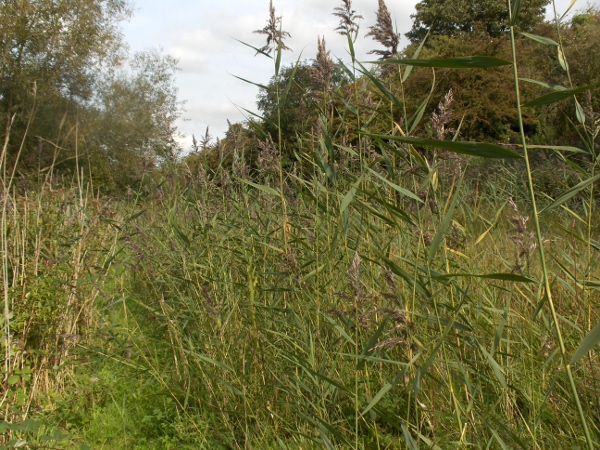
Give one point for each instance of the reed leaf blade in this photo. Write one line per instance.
(587, 344)
(462, 62)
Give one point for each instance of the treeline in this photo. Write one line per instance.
(73, 98)
(305, 98)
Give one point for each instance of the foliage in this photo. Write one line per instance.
(484, 17)
(483, 99)
(129, 131)
(64, 98)
(580, 38)
(51, 52)
(300, 109)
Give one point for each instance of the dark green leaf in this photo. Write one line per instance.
(554, 97)
(490, 276)
(483, 149)
(587, 344)
(462, 62)
(540, 39)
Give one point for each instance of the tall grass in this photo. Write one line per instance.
(384, 297)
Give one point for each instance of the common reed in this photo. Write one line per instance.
(384, 32)
(344, 305)
(348, 19)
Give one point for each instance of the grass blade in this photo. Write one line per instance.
(554, 97)
(495, 366)
(571, 193)
(487, 231)
(560, 148)
(490, 276)
(397, 188)
(262, 187)
(388, 386)
(418, 116)
(540, 39)
(482, 149)
(462, 62)
(262, 86)
(441, 233)
(410, 442)
(554, 87)
(385, 91)
(588, 343)
(415, 56)
(350, 195)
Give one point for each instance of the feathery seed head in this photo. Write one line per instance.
(523, 239)
(348, 19)
(441, 118)
(272, 30)
(322, 68)
(384, 33)
(354, 273)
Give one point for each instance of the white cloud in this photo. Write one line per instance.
(202, 35)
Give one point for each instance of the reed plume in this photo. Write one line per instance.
(384, 33)
(322, 70)
(275, 35)
(523, 239)
(440, 119)
(348, 19)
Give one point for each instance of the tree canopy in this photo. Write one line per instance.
(489, 17)
(66, 80)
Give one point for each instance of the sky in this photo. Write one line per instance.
(205, 35)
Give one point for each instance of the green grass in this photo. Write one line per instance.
(204, 331)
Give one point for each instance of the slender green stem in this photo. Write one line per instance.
(540, 241)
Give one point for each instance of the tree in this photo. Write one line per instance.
(296, 113)
(308, 97)
(51, 50)
(581, 40)
(70, 95)
(130, 125)
(484, 99)
(487, 17)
